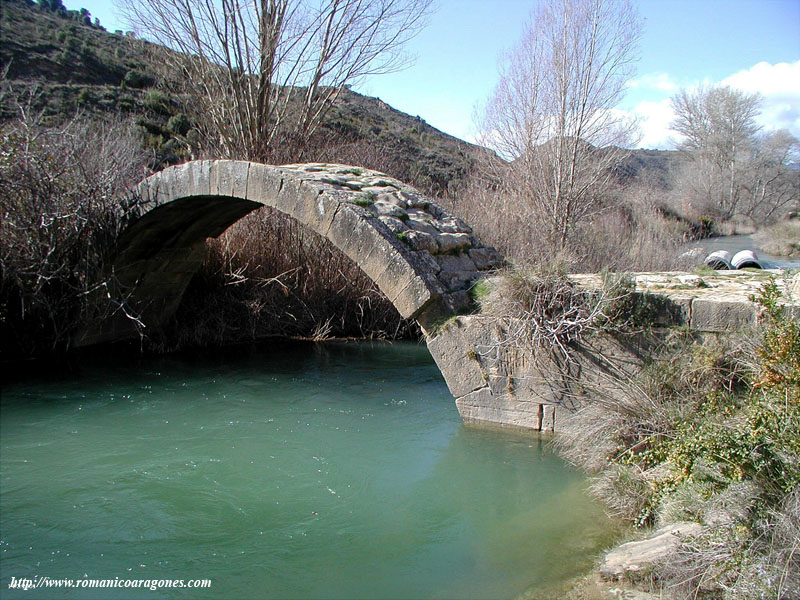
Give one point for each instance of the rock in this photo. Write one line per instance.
(456, 262)
(419, 240)
(422, 225)
(448, 242)
(413, 200)
(637, 556)
(418, 214)
(452, 225)
(388, 197)
(381, 208)
(691, 280)
(485, 258)
(393, 223)
(693, 255)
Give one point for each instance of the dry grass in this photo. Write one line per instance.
(780, 239)
(267, 276)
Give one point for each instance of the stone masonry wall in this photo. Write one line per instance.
(537, 390)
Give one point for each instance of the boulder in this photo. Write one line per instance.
(638, 556)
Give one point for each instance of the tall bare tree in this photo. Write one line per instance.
(733, 168)
(262, 72)
(552, 114)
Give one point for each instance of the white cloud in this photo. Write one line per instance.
(779, 86)
(654, 81)
(654, 120)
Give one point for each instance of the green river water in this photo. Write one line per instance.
(337, 470)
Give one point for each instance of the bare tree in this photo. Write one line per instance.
(552, 115)
(256, 70)
(733, 168)
(772, 177)
(719, 128)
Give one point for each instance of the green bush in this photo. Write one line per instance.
(158, 102)
(72, 43)
(179, 124)
(137, 79)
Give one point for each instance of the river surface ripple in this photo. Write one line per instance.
(337, 470)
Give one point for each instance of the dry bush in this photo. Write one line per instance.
(60, 216)
(732, 561)
(541, 308)
(629, 233)
(269, 276)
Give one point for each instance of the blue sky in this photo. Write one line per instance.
(752, 45)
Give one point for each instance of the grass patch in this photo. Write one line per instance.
(781, 239)
(363, 200)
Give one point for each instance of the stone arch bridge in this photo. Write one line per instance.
(422, 258)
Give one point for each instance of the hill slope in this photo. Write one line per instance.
(67, 66)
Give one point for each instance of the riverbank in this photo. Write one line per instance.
(702, 448)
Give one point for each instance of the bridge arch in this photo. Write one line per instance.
(421, 258)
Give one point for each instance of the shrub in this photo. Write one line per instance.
(59, 218)
(137, 79)
(709, 431)
(72, 43)
(158, 102)
(179, 124)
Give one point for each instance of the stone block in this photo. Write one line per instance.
(416, 295)
(451, 242)
(381, 208)
(397, 274)
(423, 226)
(482, 406)
(199, 173)
(357, 236)
(214, 173)
(458, 280)
(452, 225)
(419, 240)
(394, 224)
(548, 416)
(179, 177)
(315, 208)
(485, 258)
(456, 262)
(238, 175)
(667, 311)
(263, 184)
(424, 262)
(290, 197)
(710, 314)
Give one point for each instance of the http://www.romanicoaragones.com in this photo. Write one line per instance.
(42, 583)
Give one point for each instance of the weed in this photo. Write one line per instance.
(363, 200)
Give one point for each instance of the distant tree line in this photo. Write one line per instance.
(82, 16)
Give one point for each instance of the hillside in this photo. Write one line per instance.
(68, 65)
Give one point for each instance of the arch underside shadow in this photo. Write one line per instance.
(420, 257)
